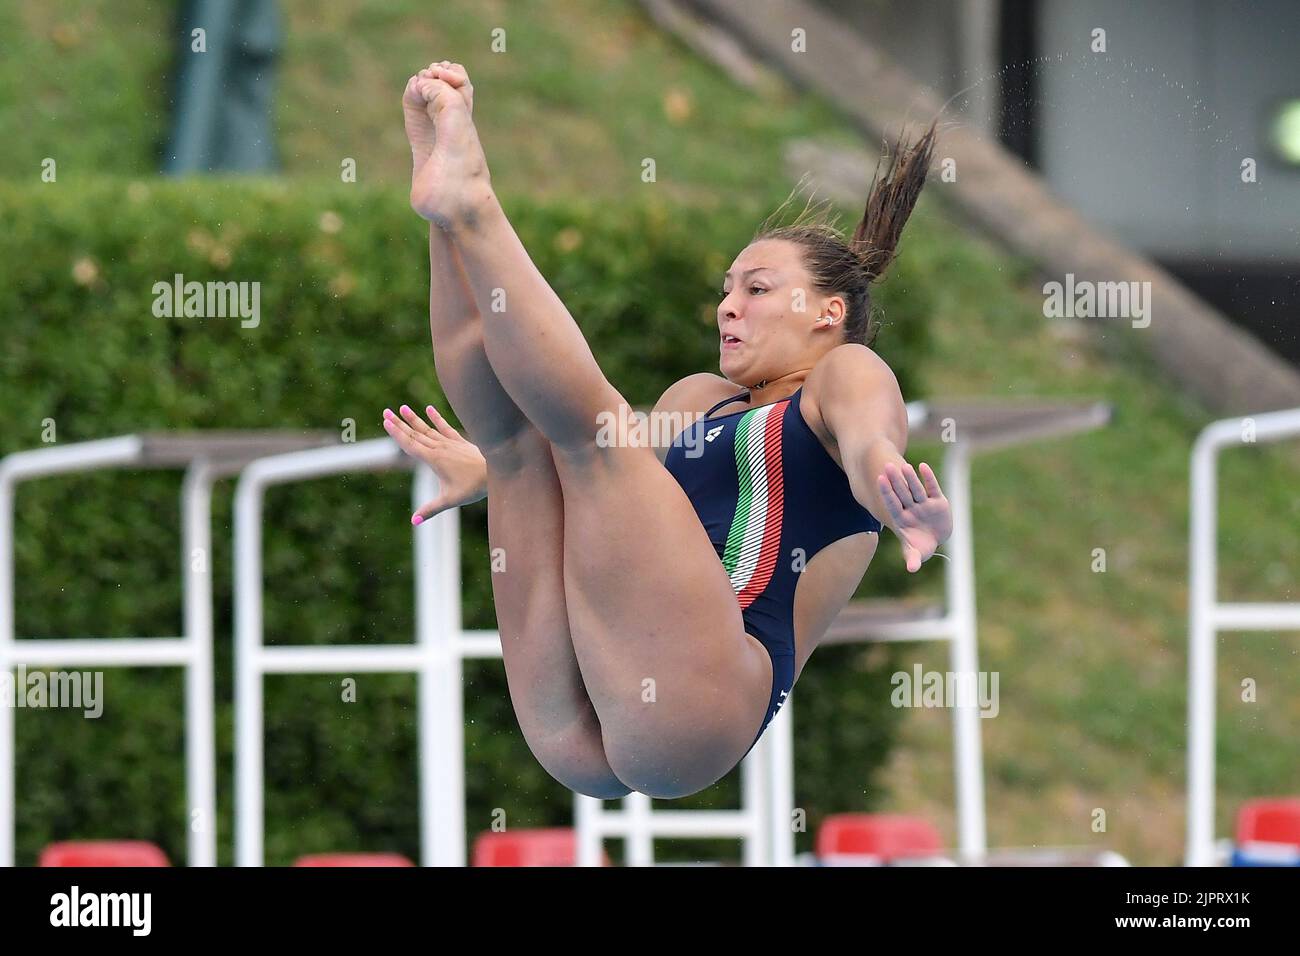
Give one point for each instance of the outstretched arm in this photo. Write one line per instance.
(860, 402)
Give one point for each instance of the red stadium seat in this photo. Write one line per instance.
(881, 835)
(1269, 821)
(554, 846)
(103, 853)
(353, 859)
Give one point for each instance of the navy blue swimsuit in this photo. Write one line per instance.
(770, 497)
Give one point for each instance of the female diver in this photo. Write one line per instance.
(656, 606)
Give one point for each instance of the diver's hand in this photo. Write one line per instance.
(460, 467)
(918, 512)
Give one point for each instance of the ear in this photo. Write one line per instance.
(832, 314)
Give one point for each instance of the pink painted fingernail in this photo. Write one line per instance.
(406, 409)
(416, 519)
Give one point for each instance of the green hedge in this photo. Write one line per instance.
(344, 333)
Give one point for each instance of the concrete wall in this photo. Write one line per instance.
(949, 45)
(1147, 139)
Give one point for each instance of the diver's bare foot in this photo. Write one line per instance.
(450, 178)
(419, 124)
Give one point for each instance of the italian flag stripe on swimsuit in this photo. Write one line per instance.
(755, 536)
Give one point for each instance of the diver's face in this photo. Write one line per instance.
(765, 314)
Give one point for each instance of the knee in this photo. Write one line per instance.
(512, 450)
(606, 421)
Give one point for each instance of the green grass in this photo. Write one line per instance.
(583, 93)
(83, 84)
(1093, 666)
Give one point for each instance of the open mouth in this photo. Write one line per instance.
(729, 340)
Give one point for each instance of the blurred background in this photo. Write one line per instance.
(1165, 148)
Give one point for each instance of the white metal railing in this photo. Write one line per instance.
(1207, 616)
(191, 652)
(435, 656)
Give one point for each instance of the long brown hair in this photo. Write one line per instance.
(848, 268)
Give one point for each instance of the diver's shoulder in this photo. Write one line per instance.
(847, 375)
(850, 358)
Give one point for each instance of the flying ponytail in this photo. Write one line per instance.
(848, 268)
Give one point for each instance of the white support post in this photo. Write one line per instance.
(200, 709)
(441, 682)
(587, 817)
(639, 836)
(778, 759)
(959, 581)
(756, 791)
